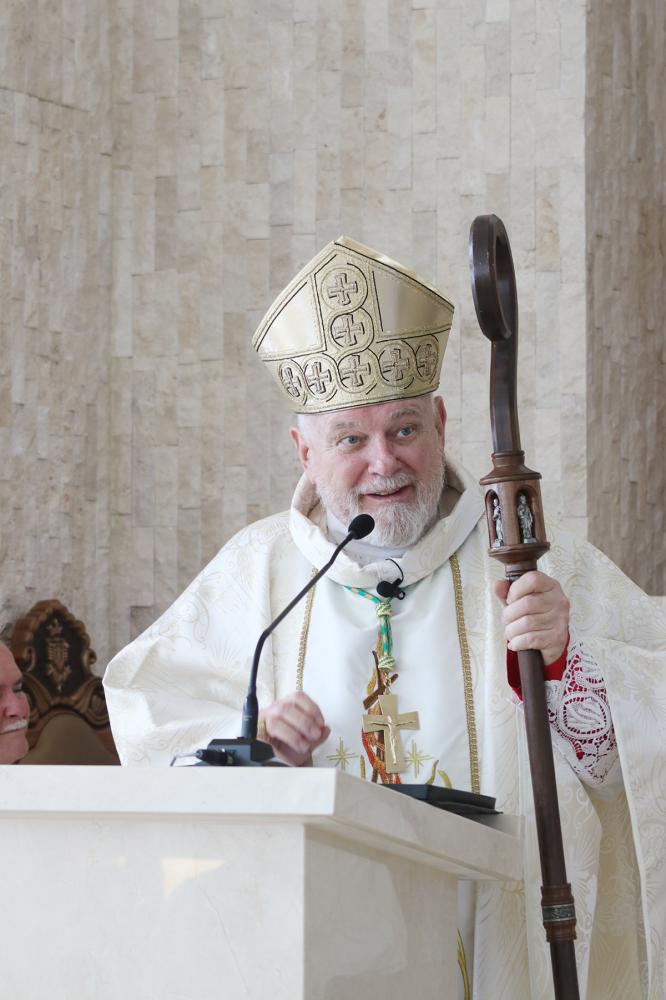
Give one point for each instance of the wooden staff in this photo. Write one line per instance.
(518, 539)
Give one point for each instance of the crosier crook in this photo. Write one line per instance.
(508, 485)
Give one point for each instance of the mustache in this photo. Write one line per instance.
(13, 727)
(384, 484)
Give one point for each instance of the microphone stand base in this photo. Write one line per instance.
(239, 752)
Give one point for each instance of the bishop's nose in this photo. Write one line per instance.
(382, 459)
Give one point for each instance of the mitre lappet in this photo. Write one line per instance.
(354, 327)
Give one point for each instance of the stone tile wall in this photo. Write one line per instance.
(55, 308)
(626, 220)
(248, 135)
(220, 144)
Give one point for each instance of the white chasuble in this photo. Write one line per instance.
(183, 681)
(340, 672)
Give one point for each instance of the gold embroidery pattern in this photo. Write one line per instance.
(342, 756)
(416, 759)
(446, 781)
(305, 628)
(462, 964)
(467, 675)
(433, 773)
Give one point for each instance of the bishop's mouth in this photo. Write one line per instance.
(403, 493)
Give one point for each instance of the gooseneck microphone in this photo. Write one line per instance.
(359, 527)
(247, 749)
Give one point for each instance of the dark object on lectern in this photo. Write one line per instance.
(517, 538)
(450, 799)
(240, 752)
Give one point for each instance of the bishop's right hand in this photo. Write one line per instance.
(294, 727)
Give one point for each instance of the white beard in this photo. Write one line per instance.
(399, 524)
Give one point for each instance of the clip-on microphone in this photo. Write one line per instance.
(246, 750)
(389, 590)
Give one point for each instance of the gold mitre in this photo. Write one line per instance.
(354, 327)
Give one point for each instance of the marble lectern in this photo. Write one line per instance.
(198, 883)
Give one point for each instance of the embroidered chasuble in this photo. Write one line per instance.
(440, 740)
(441, 710)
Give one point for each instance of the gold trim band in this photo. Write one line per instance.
(305, 628)
(467, 675)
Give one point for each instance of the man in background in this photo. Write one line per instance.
(14, 710)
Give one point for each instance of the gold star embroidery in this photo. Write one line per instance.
(416, 758)
(342, 756)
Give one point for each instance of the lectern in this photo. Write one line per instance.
(216, 884)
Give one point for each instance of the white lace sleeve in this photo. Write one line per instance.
(580, 717)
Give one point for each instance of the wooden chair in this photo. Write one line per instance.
(69, 722)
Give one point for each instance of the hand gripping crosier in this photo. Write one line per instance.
(518, 539)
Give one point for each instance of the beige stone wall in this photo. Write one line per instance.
(245, 136)
(248, 135)
(55, 283)
(626, 218)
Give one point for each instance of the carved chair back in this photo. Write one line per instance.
(52, 649)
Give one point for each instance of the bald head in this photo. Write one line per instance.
(14, 710)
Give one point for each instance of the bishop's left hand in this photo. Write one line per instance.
(535, 614)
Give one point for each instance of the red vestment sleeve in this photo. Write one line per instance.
(553, 672)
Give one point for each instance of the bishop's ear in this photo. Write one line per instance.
(301, 445)
(440, 416)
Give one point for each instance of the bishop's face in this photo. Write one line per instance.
(386, 460)
(14, 710)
